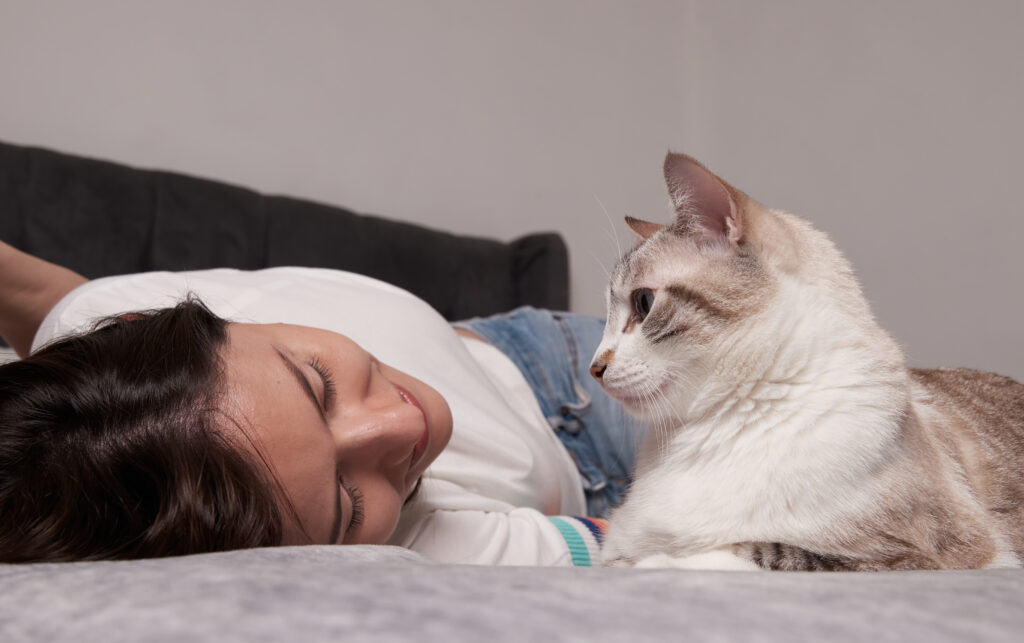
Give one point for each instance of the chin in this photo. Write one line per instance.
(441, 427)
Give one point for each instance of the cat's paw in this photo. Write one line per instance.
(617, 562)
(717, 559)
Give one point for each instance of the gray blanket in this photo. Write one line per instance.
(388, 594)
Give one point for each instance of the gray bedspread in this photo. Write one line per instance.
(388, 594)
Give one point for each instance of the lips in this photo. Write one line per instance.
(421, 445)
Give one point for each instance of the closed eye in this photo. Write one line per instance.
(327, 380)
(300, 378)
(356, 497)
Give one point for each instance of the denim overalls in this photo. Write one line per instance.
(553, 351)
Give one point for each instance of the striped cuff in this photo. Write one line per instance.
(583, 536)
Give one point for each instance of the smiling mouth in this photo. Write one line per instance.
(421, 445)
(420, 448)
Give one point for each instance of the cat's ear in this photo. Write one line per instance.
(643, 229)
(707, 208)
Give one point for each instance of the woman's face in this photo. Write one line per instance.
(346, 436)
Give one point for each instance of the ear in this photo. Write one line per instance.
(707, 208)
(643, 229)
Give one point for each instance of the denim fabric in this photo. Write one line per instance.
(553, 351)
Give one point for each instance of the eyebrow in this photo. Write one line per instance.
(308, 389)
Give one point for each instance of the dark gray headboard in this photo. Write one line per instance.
(100, 218)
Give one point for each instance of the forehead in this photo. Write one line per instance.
(263, 389)
(660, 260)
(248, 369)
(273, 417)
(737, 282)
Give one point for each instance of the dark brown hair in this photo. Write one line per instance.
(112, 446)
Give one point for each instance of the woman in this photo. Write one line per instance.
(357, 416)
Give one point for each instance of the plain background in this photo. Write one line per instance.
(894, 126)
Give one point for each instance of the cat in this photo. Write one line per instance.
(787, 430)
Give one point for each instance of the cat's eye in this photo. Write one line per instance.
(643, 301)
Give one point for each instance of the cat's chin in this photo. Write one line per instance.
(636, 405)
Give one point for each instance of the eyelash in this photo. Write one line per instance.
(325, 374)
(357, 506)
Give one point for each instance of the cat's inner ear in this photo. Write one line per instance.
(706, 207)
(641, 228)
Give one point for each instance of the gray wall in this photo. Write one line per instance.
(894, 126)
(484, 117)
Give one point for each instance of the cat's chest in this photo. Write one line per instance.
(741, 491)
(782, 487)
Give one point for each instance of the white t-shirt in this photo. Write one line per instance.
(486, 497)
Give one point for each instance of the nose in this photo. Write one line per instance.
(602, 360)
(380, 431)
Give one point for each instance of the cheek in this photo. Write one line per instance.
(678, 358)
(633, 348)
(382, 509)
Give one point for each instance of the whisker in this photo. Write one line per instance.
(615, 233)
(662, 426)
(604, 269)
(653, 399)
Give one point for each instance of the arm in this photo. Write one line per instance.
(522, 536)
(29, 288)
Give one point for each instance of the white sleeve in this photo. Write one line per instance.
(522, 536)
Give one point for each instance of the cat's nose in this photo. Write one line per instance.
(600, 363)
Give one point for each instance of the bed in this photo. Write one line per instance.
(102, 218)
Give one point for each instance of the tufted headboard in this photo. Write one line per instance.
(100, 218)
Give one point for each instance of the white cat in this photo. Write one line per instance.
(787, 431)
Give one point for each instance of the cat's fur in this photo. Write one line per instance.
(788, 432)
